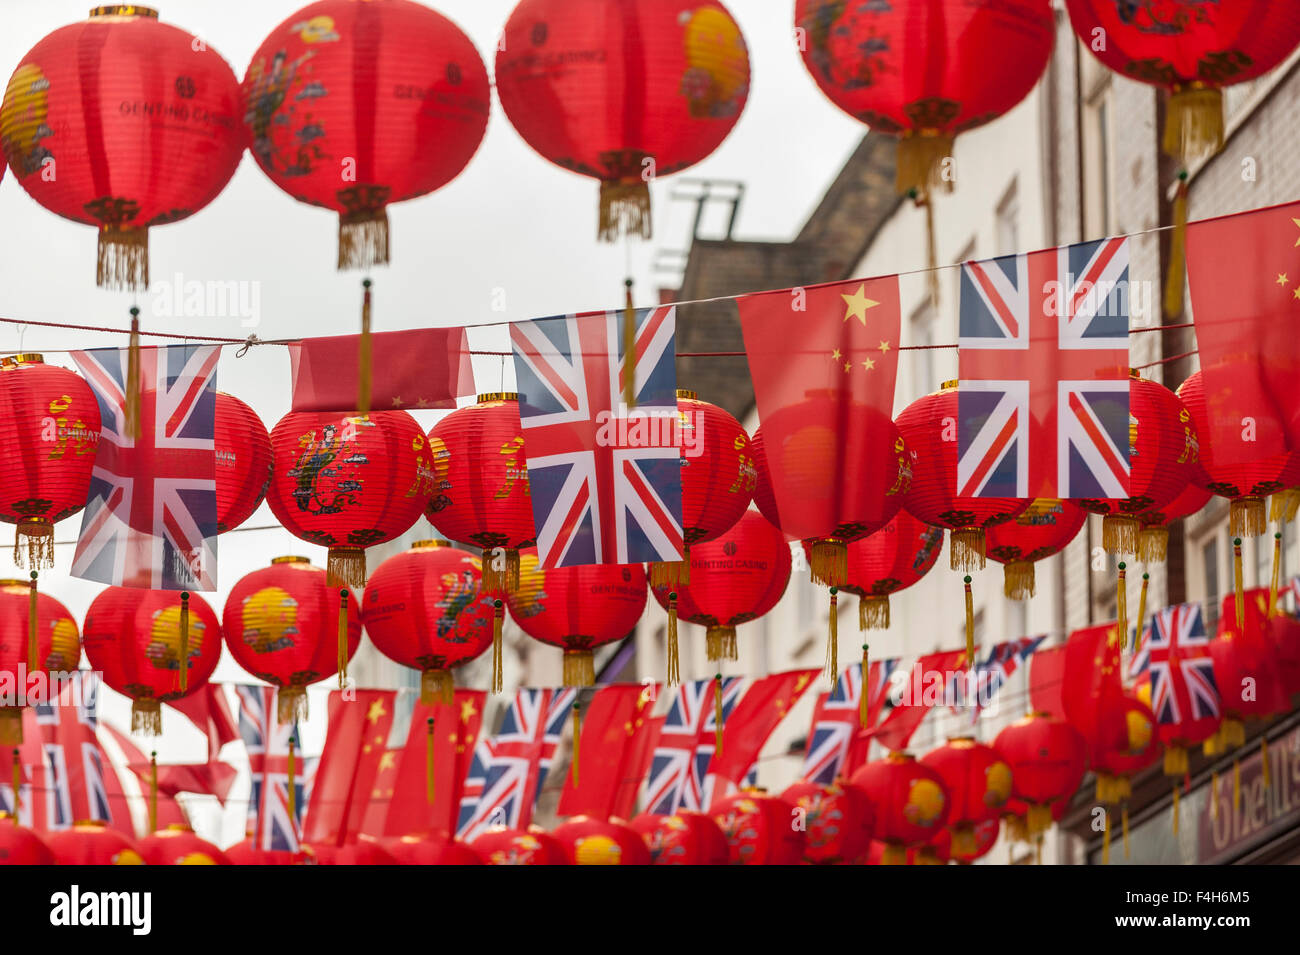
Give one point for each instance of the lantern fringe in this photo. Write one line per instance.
(437, 686)
(1177, 275)
(1247, 517)
(624, 209)
(346, 566)
(579, 668)
(122, 260)
(1194, 123)
(363, 239)
(146, 717)
(828, 560)
(720, 644)
(38, 536)
(893, 855)
(1038, 819)
(1232, 733)
(964, 844)
(919, 163)
(1119, 534)
(500, 580)
(11, 727)
(926, 855)
(970, 626)
(1142, 611)
(1153, 545)
(966, 550)
(1175, 761)
(1292, 505)
(674, 659)
(291, 704)
(833, 638)
(1018, 579)
(498, 618)
(1238, 582)
(671, 573)
(1017, 830)
(1282, 505)
(873, 612)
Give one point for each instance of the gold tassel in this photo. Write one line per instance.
(1292, 506)
(1177, 251)
(1142, 611)
(500, 579)
(964, 844)
(122, 258)
(833, 638)
(1264, 767)
(1018, 579)
(1247, 517)
(720, 644)
(33, 651)
(893, 855)
(363, 238)
(437, 686)
(38, 535)
(428, 761)
(291, 704)
(970, 626)
(1119, 534)
(629, 347)
(1194, 122)
(16, 780)
(146, 716)
(1236, 576)
(185, 641)
(862, 695)
(579, 668)
(624, 209)
(674, 669)
(672, 573)
(1124, 820)
(498, 616)
(1153, 545)
(919, 164)
(1105, 838)
(1121, 604)
(11, 725)
(1276, 580)
(343, 638)
(1282, 505)
(153, 791)
(131, 399)
(346, 567)
(873, 612)
(1176, 809)
(1038, 819)
(828, 560)
(1175, 761)
(577, 737)
(364, 371)
(1236, 785)
(1038, 850)
(717, 715)
(292, 793)
(966, 548)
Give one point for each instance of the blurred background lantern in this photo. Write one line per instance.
(590, 841)
(1015, 822)
(480, 487)
(624, 93)
(890, 560)
(122, 122)
(1121, 744)
(684, 838)
(734, 579)
(137, 639)
(21, 846)
(1153, 538)
(978, 781)
(1048, 758)
(838, 820)
(1284, 633)
(92, 843)
(519, 847)
(431, 849)
(282, 626)
(578, 609)
(178, 845)
(1163, 453)
(58, 646)
(425, 609)
(348, 482)
(1041, 530)
(388, 84)
(243, 461)
(362, 852)
(758, 830)
(910, 801)
(247, 853)
(946, 847)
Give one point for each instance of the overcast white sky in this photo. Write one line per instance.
(512, 228)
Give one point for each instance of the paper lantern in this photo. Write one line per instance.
(480, 494)
(623, 93)
(1036, 533)
(978, 781)
(683, 838)
(361, 852)
(425, 609)
(137, 640)
(933, 497)
(243, 461)
(1163, 451)
(353, 105)
(758, 829)
(734, 579)
(348, 482)
(1153, 538)
(247, 853)
(282, 626)
(123, 123)
(178, 845)
(1121, 744)
(49, 422)
(838, 820)
(58, 646)
(21, 846)
(1016, 821)
(519, 847)
(431, 849)
(92, 843)
(910, 800)
(1247, 670)
(1048, 758)
(589, 841)
(890, 560)
(1284, 633)
(578, 609)
(1245, 485)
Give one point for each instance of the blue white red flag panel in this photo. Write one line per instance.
(993, 672)
(1175, 655)
(266, 741)
(679, 769)
(836, 721)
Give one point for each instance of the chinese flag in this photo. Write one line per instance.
(823, 360)
(1046, 673)
(355, 746)
(640, 755)
(611, 726)
(925, 688)
(1244, 275)
(209, 711)
(760, 710)
(1090, 673)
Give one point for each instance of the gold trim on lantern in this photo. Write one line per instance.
(123, 10)
(290, 560)
(949, 385)
(687, 394)
(24, 358)
(720, 643)
(497, 396)
(430, 544)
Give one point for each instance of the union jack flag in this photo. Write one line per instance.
(1176, 655)
(266, 740)
(680, 763)
(605, 479)
(1043, 408)
(992, 673)
(835, 723)
(522, 753)
(151, 512)
(472, 790)
(732, 686)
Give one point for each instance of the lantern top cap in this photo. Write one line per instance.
(90, 824)
(497, 396)
(900, 757)
(687, 394)
(1134, 373)
(290, 560)
(123, 10)
(10, 582)
(173, 828)
(949, 385)
(430, 544)
(26, 358)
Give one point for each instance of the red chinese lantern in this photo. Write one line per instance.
(1245, 485)
(985, 834)
(1016, 820)
(1048, 758)
(425, 609)
(578, 609)
(92, 843)
(480, 488)
(361, 852)
(1041, 530)
(890, 560)
(589, 841)
(57, 650)
(282, 626)
(1163, 451)
(910, 800)
(1121, 743)
(1284, 633)
(247, 853)
(718, 478)
(1153, 538)
(758, 829)
(122, 123)
(518, 847)
(838, 820)
(622, 92)
(21, 846)
(353, 105)
(49, 421)
(978, 781)
(348, 482)
(684, 838)
(1247, 670)
(154, 646)
(178, 845)
(734, 579)
(243, 461)
(431, 849)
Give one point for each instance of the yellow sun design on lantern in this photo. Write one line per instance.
(598, 850)
(997, 783)
(925, 803)
(164, 649)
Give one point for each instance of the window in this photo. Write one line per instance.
(1210, 557)
(1008, 223)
